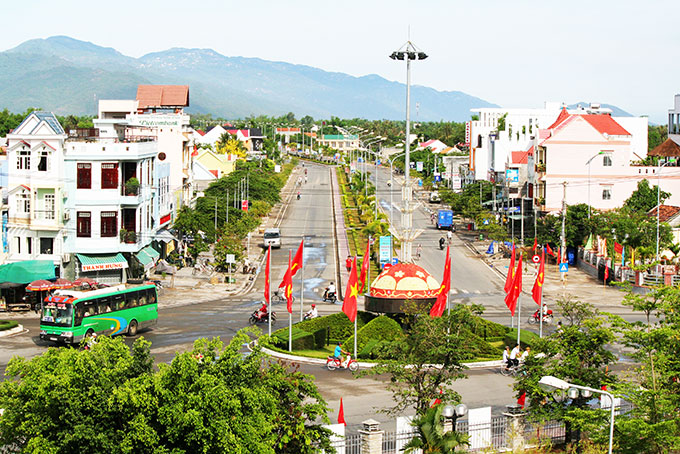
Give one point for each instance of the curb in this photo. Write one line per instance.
(18, 329)
(322, 362)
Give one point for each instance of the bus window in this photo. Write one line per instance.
(131, 299)
(142, 297)
(104, 305)
(151, 293)
(90, 308)
(117, 302)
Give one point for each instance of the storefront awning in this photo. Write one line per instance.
(147, 257)
(27, 271)
(90, 263)
(165, 236)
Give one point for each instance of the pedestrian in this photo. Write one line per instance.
(559, 326)
(348, 263)
(418, 251)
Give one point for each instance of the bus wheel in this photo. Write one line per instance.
(132, 329)
(89, 333)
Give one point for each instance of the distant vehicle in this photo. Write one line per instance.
(273, 237)
(434, 197)
(69, 316)
(444, 219)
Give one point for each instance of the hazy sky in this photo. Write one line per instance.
(513, 53)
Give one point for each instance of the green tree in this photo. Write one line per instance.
(430, 436)
(579, 353)
(426, 360)
(109, 399)
(656, 135)
(644, 198)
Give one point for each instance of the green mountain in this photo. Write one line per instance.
(67, 76)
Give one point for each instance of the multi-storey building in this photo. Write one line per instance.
(674, 120)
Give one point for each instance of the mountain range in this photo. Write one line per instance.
(68, 76)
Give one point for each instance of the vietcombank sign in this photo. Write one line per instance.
(154, 121)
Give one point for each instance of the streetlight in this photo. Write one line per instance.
(658, 200)
(549, 384)
(408, 52)
(588, 164)
(451, 413)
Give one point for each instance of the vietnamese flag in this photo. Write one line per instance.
(550, 251)
(195, 152)
(522, 399)
(439, 306)
(341, 414)
(537, 291)
(349, 304)
(535, 244)
(618, 248)
(364, 267)
(297, 260)
(516, 290)
(511, 272)
(266, 275)
(606, 273)
(287, 284)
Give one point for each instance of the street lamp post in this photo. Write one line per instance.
(408, 52)
(588, 164)
(658, 201)
(549, 383)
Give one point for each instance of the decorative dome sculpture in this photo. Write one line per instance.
(400, 283)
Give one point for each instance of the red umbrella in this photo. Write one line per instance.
(84, 282)
(40, 285)
(62, 283)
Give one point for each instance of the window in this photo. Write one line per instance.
(131, 299)
(24, 203)
(43, 161)
(84, 175)
(117, 302)
(18, 243)
(151, 295)
(46, 245)
(104, 305)
(109, 175)
(29, 245)
(109, 224)
(84, 224)
(49, 206)
(24, 160)
(606, 194)
(607, 160)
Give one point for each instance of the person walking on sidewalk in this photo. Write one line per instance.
(348, 263)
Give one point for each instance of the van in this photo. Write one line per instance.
(272, 237)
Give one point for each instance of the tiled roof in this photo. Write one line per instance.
(520, 157)
(47, 117)
(150, 96)
(287, 130)
(200, 132)
(667, 149)
(605, 124)
(560, 118)
(667, 212)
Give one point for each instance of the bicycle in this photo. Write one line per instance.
(512, 371)
(279, 298)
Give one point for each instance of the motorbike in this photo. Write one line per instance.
(264, 319)
(441, 243)
(547, 318)
(330, 297)
(298, 196)
(308, 317)
(333, 363)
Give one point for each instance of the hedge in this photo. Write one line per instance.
(8, 324)
(526, 338)
(338, 324)
(382, 328)
(302, 340)
(487, 329)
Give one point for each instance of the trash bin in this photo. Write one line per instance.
(469, 225)
(481, 237)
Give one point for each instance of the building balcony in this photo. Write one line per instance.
(45, 220)
(540, 167)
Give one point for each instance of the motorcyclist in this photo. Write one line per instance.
(298, 195)
(262, 311)
(312, 313)
(441, 242)
(330, 290)
(338, 352)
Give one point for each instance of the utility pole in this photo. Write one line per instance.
(521, 209)
(215, 218)
(563, 239)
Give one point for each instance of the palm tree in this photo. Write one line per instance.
(430, 436)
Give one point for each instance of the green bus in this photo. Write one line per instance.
(68, 316)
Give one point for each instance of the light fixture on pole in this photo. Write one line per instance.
(550, 384)
(451, 413)
(407, 52)
(658, 201)
(588, 164)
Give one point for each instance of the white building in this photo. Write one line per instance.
(674, 120)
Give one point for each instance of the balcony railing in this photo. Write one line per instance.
(128, 236)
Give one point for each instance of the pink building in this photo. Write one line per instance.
(593, 154)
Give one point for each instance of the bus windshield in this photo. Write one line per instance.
(57, 314)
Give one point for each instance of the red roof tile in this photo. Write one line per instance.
(159, 96)
(667, 212)
(560, 118)
(605, 124)
(520, 157)
(200, 132)
(667, 149)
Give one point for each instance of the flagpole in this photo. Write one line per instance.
(302, 279)
(269, 289)
(519, 310)
(290, 307)
(355, 337)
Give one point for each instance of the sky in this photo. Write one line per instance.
(512, 53)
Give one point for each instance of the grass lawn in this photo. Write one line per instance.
(322, 354)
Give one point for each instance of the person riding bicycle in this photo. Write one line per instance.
(525, 355)
(515, 355)
(338, 352)
(312, 313)
(330, 289)
(506, 357)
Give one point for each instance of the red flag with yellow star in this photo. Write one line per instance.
(516, 290)
(349, 305)
(510, 277)
(439, 306)
(287, 284)
(297, 260)
(537, 291)
(364, 267)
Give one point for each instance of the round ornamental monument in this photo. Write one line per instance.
(401, 283)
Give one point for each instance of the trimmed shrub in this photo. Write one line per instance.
(320, 336)
(487, 329)
(526, 338)
(302, 340)
(8, 324)
(382, 328)
(338, 324)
